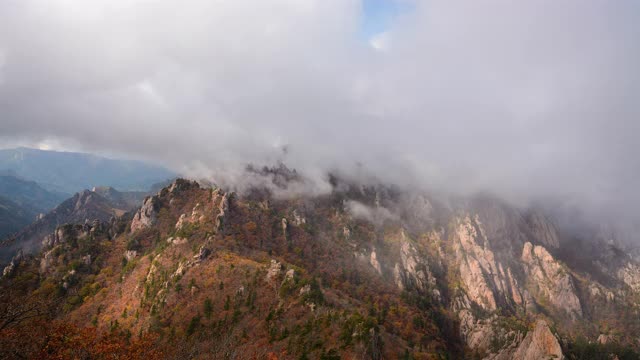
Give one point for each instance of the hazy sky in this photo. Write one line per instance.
(525, 98)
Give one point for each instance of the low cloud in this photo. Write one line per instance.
(529, 100)
(374, 214)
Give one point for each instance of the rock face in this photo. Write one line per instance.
(13, 264)
(475, 332)
(196, 216)
(284, 225)
(373, 260)
(147, 215)
(130, 254)
(492, 279)
(412, 271)
(275, 269)
(543, 231)
(47, 261)
(223, 208)
(551, 280)
(487, 282)
(539, 344)
(67, 232)
(630, 275)
(298, 220)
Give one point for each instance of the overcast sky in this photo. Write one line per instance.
(524, 98)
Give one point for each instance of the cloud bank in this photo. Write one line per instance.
(530, 100)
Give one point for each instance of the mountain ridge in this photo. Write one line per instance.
(85, 206)
(364, 271)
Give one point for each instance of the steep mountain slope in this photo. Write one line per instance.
(71, 172)
(362, 272)
(13, 217)
(29, 194)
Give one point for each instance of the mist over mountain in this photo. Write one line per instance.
(526, 100)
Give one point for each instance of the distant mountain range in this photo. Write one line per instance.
(29, 195)
(13, 217)
(70, 172)
(34, 185)
(21, 201)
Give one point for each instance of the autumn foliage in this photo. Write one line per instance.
(59, 340)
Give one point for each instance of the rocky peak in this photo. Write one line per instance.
(147, 215)
(179, 185)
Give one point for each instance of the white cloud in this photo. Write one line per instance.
(527, 99)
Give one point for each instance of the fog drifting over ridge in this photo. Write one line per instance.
(527, 100)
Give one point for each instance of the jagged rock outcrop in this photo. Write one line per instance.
(196, 216)
(274, 271)
(551, 281)
(539, 344)
(147, 215)
(298, 220)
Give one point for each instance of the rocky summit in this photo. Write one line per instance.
(361, 272)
